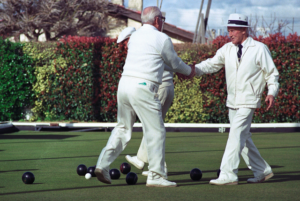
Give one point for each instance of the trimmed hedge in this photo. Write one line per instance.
(43, 55)
(77, 80)
(109, 64)
(16, 79)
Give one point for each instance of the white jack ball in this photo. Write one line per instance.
(88, 176)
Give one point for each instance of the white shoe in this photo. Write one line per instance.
(135, 161)
(223, 182)
(260, 179)
(103, 175)
(145, 173)
(156, 180)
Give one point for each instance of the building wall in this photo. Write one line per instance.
(136, 5)
(117, 24)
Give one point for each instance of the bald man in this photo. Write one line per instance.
(165, 96)
(148, 50)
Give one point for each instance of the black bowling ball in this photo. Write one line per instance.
(91, 170)
(131, 178)
(28, 178)
(114, 174)
(125, 168)
(195, 174)
(81, 170)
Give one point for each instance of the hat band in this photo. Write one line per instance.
(237, 22)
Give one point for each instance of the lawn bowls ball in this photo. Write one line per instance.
(196, 174)
(81, 170)
(131, 178)
(114, 174)
(125, 168)
(91, 170)
(28, 178)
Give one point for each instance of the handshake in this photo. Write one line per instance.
(182, 77)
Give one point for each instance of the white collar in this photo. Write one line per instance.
(149, 26)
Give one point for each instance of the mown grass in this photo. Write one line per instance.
(54, 156)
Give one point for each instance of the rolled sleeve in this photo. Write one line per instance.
(171, 59)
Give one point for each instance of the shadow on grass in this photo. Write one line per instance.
(198, 136)
(285, 176)
(208, 171)
(287, 147)
(36, 137)
(66, 189)
(52, 141)
(33, 159)
(19, 170)
(279, 177)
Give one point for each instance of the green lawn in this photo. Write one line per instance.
(54, 156)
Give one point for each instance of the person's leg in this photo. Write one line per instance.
(165, 96)
(120, 135)
(261, 169)
(142, 152)
(239, 132)
(245, 156)
(148, 108)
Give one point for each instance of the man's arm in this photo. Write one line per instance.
(171, 59)
(271, 76)
(212, 65)
(168, 68)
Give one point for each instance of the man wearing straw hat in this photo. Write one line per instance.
(249, 67)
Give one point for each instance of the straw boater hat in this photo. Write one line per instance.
(126, 33)
(237, 20)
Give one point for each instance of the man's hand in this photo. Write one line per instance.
(270, 101)
(184, 77)
(193, 72)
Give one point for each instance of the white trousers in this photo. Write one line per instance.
(240, 143)
(165, 96)
(137, 97)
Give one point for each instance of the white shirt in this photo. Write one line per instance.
(246, 80)
(148, 50)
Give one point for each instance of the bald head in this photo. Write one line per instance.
(149, 14)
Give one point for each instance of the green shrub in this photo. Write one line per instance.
(16, 79)
(71, 84)
(187, 105)
(43, 55)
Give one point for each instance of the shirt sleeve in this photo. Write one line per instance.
(172, 60)
(168, 68)
(212, 65)
(270, 71)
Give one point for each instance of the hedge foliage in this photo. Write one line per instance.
(77, 79)
(109, 64)
(43, 55)
(16, 79)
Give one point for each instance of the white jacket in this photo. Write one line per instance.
(148, 52)
(246, 79)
